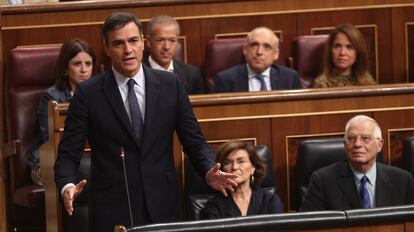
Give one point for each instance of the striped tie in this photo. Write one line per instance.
(363, 192)
(262, 82)
(135, 112)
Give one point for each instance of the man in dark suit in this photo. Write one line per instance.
(162, 40)
(259, 73)
(132, 110)
(359, 182)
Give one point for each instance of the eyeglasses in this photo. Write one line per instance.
(364, 139)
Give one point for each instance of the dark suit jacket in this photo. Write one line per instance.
(97, 113)
(235, 79)
(189, 76)
(334, 188)
(261, 202)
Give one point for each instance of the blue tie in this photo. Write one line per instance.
(363, 192)
(262, 82)
(135, 112)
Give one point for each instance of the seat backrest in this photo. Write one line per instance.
(265, 155)
(408, 154)
(198, 202)
(307, 56)
(314, 154)
(220, 55)
(29, 73)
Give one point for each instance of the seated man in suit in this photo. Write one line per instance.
(162, 39)
(359, 181)
(259, 74)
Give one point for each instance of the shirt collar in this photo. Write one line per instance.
(122, 80)
(371, 174)
(251, 74)
(155, 65)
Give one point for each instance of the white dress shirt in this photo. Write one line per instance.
(254, 83)
(156, 66)
(372, 177)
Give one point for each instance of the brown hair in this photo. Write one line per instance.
(360, 69)
(69, 50)
(233, 145)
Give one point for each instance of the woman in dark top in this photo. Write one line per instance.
(240, 158)
(75, 64)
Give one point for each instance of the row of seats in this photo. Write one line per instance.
(307, 55)
(30, 71)
(359, 219)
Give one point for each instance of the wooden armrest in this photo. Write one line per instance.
(11, 148)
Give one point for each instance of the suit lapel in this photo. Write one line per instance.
(151, 98)
(111, 91)
(274, 78)
(383, 188)
(348, 187)
(243, 85)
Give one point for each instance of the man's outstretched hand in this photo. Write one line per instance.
(220, 180)
(70, 194)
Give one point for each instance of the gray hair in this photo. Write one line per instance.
(361, 119)
(162, 19)
(263, 29)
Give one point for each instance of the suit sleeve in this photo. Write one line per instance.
(274, 204)
(219, 85)
(72, 144)
(191, 137)
(314, 198)
(296, 81)
(198, 82)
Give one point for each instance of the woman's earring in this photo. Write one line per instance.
(252, 179)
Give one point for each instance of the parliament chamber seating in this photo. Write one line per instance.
(221, 54)
(199, 192)
(314, 154)
(396, 218)
(28, 74)
(408, 154)
(307, 57)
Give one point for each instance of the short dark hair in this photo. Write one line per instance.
(118, 20)
(70, 49)
(233, 145)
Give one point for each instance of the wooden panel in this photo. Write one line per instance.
(201, 21)
(3, 224)
(293, 118)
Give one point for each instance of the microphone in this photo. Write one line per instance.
(122, 156)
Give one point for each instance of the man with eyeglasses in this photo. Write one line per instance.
(359, 181)
(259, 73)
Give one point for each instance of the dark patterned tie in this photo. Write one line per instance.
(262, 82)
(363, 192)
(135, 112)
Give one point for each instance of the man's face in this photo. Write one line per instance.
(163, 43)
(361, 146)
(260, 51)
(125, 46)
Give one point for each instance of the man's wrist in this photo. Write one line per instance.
(66, 187)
